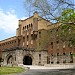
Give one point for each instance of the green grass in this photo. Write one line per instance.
(10, 70)
(74, 55)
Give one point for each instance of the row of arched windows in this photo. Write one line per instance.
(7, 43)
(26, 27)
(64, 55)
(63, 44)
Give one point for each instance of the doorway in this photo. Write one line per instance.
(27, 60)
(10, 59)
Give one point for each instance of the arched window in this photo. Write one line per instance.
(23, 28)
(64, 57)
(31, 24)
(52, 59)
(71, 57)
(58, 58)
(52, 45)
(27, 26)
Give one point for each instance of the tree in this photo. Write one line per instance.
(49, 9)
(59, 11)
(68, 26)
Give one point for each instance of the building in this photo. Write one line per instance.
(37, 42)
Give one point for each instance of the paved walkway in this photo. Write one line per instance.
(56, 69)
(47, 72)
(56, 66)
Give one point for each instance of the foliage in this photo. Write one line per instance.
(68, 26)
(49, 9)
(74, 55)
(61, 11)
(68, 16)
(10, 70)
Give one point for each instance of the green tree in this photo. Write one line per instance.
(68, 26)
(59, 11)
(49, 9)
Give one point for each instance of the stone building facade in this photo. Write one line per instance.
(35, 43)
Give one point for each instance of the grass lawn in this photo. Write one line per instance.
(10, 70)
(74, 55)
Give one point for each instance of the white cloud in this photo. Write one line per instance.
(8, 21)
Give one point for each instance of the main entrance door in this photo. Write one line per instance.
(27, 60)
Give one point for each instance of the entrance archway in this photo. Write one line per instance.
(27, 60)
(10, 59)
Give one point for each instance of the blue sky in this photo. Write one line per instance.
(10, 12)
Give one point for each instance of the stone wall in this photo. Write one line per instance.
(38, 58)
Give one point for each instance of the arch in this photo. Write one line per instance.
(10, 59)
(27, 60)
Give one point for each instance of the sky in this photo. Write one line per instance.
(10, 12)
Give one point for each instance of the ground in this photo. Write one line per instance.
(10, 70)
(48, 72)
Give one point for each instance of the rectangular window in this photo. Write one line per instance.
(39, 58)
(27, 37)
(52, 58)
(52, 45)
(27, 45)
(57, 42)
(64, 57)
(58, 58)
(48, 59)
(39, 34)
